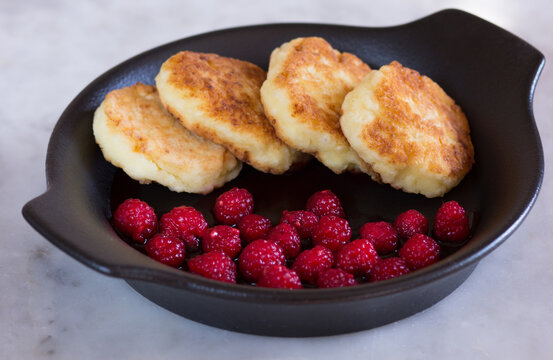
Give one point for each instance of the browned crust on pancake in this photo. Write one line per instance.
(390, 134)
(314, 52)
(229, 91)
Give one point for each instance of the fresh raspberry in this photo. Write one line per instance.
(279, 276)
(233, 205)
(166, 249)
(136, 219)
(410, 223)
(304, 221)
(325, 203)
(389, 268)
(332, 232)
(286, 236)
(257, 255)
(451, 223)
(332, 278)
(186, 223)
(382, 234)
(310, 263)
(224, 238)
(420, 251)
(357, 257)
(253, 227)
(214, 265)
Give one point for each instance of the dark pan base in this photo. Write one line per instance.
(300, 320)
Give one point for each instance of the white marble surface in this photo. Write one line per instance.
(51, 306)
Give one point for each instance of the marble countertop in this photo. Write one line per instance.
(51, 306)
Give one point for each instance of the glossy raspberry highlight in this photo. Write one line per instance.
(166, 249)
(253, 227)
(186, 223)
(233, 205)
(451, 223)
(304, 221)
(324, 203)
(382, 234)
(310, 263)
(257, 255)
(332, 278)
(224, 238)
(332, 232)
(136, 219)
(420, 251)
(279, 276)
(214, 265)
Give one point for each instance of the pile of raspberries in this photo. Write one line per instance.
(307, 248)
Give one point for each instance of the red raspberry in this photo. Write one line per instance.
(389, 268)
(253, 227)
(136, 219)
(332, 232)
(410, 223)
(286, 236)
(310, 263)
(214, 265)
(224, 238)
(166, 249)
(357, 257)
(304, 221)
(332, 278)
(382, 234)
(420, 251)
(451, 223)
(233, 205)
(279, 276)
(186, 223)
(257, 255)
(325, 203)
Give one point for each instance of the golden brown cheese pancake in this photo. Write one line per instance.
(303, 94)
(137, 134)
(218, 98)
(409, 130)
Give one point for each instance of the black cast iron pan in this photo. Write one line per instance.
(488, 71)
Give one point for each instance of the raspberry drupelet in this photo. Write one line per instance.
(310, 263)
(451, 223)
(257, 255)
(382, 234)
(420, 251)
(214, 265)
(233, 205)
(332, 232)
(253, 227)
(224, 238)
(286, 236)
(304, 221)
(136, 219)
(332, 278)
(279, 276)
(389, 268)
(186, 223)
(325, 203)
(410, 223)
(166, 249)
(357, 257)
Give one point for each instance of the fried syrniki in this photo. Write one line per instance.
(409, 130)
(137, 134)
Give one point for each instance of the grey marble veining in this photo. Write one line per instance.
(51, 306)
